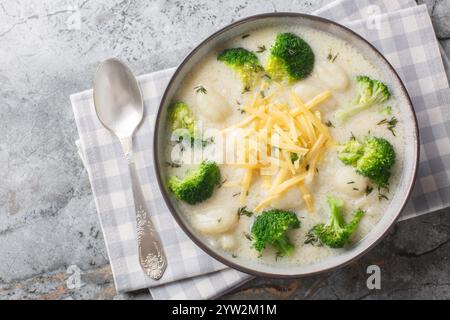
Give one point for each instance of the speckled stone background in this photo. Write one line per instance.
(48, 222)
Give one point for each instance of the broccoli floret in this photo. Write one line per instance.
(372, 158)
(198, 184)
(387, 111)
(271, 227)
(370, 92)
(291, 58)
(244, 62)
(336, 232)
(351, 152)
(181, 118)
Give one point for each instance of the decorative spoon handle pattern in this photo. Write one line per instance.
(151, 254)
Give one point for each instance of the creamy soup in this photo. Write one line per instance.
(218, 99)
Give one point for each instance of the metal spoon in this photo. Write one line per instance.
(119, 107)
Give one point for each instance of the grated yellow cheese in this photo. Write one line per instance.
(272, 133)
(307, 197)
(288, 184)
(246, 184)
(318, 99)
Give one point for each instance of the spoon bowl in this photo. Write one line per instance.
(117, 98)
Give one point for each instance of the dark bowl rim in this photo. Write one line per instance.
(161, 183)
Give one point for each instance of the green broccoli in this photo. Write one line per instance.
(271, 227)
(198, 184)
(370, 92)
(351, 152)
(387, 111)
(291, 58)
(372, 158)
(336, 232)
(181, 118)
(244, 62)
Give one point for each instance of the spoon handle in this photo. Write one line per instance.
(151, 254)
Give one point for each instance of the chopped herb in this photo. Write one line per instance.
(219, 220)
(221, 183)
(294, 157)
(352, 136)
(263, 95)
(356, 189)
(369, 190)
(242, 111)
(246, 89)
(329, 124)
(245, 36)
(261, 49)
(382, 196)
(391, 124)
(278, 255)
(267, 76)
(350, 182)
(236, 194)
(207, 141)
(307, 167)
(332, 57)
(244, 212)
(312, 239)
(238, 103)
(247, 236)
(234, 255)
(317, 170)
(173, 164)
(200, 89)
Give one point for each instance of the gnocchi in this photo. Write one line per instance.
(215, 221)
(349, 182)
(332, 76)
(228, 242)
(212, 105)
(308, 89)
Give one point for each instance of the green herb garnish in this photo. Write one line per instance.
(332, 57)
(261, 49)
(200, 89)
(329, 124)
(173, 164)
(244, 212)
(246, 89)
(391, 124)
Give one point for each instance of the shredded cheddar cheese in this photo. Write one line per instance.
(281, 144)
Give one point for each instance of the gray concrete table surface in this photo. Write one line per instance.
(48, 222)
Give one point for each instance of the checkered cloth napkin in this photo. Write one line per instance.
(406, 37)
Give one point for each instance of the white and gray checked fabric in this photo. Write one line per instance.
(406, 38)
